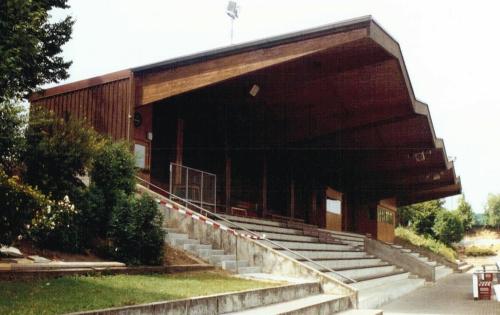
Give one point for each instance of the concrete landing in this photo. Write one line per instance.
(451, 295)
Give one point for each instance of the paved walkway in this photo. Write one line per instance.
(451, 295)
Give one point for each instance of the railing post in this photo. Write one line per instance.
(170, 184)
(236, 243)
(187, 186)
(201, 190)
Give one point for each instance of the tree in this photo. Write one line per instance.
(448, 227)
(12, 123)
(492, 210)
(30, 46)
(421, 216)
(58, 152)
(465, 212)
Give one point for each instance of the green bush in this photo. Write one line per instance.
(479, 251)
(113, 173)
(58, 151)
(448, 227)
(431, 244)
(136, 233)
(55, 226)
(19, 202)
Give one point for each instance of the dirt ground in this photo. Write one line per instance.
(175, 256)
(28, 249)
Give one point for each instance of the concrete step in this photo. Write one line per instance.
(289, 237)
(250, 269)
(231, 264)
(217, 259)
(328, 254)
(172, 230)
(314, 304)
(206, 253)
(181, 241)
(252, 220)
(442, 271)
(374, 297)
(260, 229)
(176, 235)
(193, 248)
(464, 268)
(364, 272)
(361, 312)
(344, 263)
(382, 279)
(308, 246)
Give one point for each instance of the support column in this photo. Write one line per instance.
(313, 214)
(228, 185)
(292, 198)
(264, 186)
(179, 147)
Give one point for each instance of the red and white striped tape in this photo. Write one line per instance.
(199, 217)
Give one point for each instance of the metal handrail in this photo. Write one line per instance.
(245, 229)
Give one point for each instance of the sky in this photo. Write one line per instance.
(451, 51)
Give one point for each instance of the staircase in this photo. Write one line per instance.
(216, 257)
(377, 281)
(441, 270)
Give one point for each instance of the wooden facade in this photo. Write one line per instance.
(285, 123)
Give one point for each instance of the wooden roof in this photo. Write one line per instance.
(345, 87)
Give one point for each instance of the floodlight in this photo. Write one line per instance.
(232, 9)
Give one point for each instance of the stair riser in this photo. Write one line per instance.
(334, 264)
(327, 255)
(181, 242)
(329, 307)
(366, 272)
(205, 253)
(312, 246)
(244, 270)
(380, 281)
(291, 238)
(193, 248)
(214, 259)
(254, 221)
(267, 229)
(231, 264)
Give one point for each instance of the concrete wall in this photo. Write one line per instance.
(216, 304)
(427, 253)
(400, 259)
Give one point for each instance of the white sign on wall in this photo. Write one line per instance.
(334, 206)
(140, 155)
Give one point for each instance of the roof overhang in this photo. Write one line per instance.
(351, 81)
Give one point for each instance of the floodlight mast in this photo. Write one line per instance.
(232, 12)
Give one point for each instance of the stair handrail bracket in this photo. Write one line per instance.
(250, 234)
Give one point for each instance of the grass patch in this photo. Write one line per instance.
(476, 251)
(426, 242)
(71, 294)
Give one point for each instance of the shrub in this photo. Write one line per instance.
(54, 226)
(431, 244)
(448, 227)
(479, 251)
(136, 233)
(18, 204)
(113, 173)
(57, 153)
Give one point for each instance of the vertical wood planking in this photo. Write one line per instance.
(104, 106)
